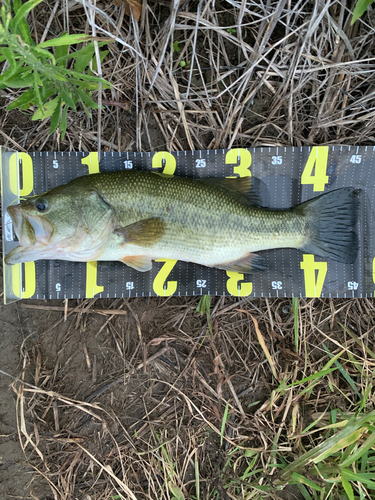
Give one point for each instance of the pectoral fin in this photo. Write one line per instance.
(138, 262)
(144, 233)
(248, 264)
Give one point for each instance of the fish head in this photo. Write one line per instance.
(58, 224)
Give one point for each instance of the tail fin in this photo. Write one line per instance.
(331, 220)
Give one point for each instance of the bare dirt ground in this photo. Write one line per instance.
(136, 401)
(159, 401)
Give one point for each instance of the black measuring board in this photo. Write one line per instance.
(291, 176)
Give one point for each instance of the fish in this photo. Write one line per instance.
(138, 216)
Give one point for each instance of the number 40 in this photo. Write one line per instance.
(317, 161)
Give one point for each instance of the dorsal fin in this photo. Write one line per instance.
(250, 188)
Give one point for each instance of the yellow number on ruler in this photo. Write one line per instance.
(235, 289)
(92, 161)
(166, 160)
(313, 283)
(244, 157)
(319, 159)
(92, 287)
(24, 161)
(29, 277)
(161, 286)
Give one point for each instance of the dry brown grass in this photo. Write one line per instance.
(255, 73)
(152, 405)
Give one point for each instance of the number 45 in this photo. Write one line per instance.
(356, 159)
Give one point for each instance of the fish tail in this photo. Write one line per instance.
(331, 220)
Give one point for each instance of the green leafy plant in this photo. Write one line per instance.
(185, 64)
(53, 82)
(175, 47)
(360, 8)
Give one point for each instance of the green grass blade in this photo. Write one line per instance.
(64, 40)
(298, 479)
(347, 436)
(55, 118)
(354, 337)
(223, 424)
(304, 492)
(367, 445)
(295, 314)
(364, 478)
(23, 12)
(322, 373)
(344, 373)
(338, 444)
(360, 9)
(347, 486)
(63, 122)
(314, 377)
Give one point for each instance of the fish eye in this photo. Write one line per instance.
(41, 204)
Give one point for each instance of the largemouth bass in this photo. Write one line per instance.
(136, 217)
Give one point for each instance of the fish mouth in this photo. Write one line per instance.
(22, 228)
(32, 232)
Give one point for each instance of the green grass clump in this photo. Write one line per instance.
(50, 82)
(334, 454)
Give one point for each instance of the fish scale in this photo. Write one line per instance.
(205, 225)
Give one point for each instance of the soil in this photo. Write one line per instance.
(17, 478)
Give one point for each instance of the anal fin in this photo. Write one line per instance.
(138, 262)
(249, 263)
